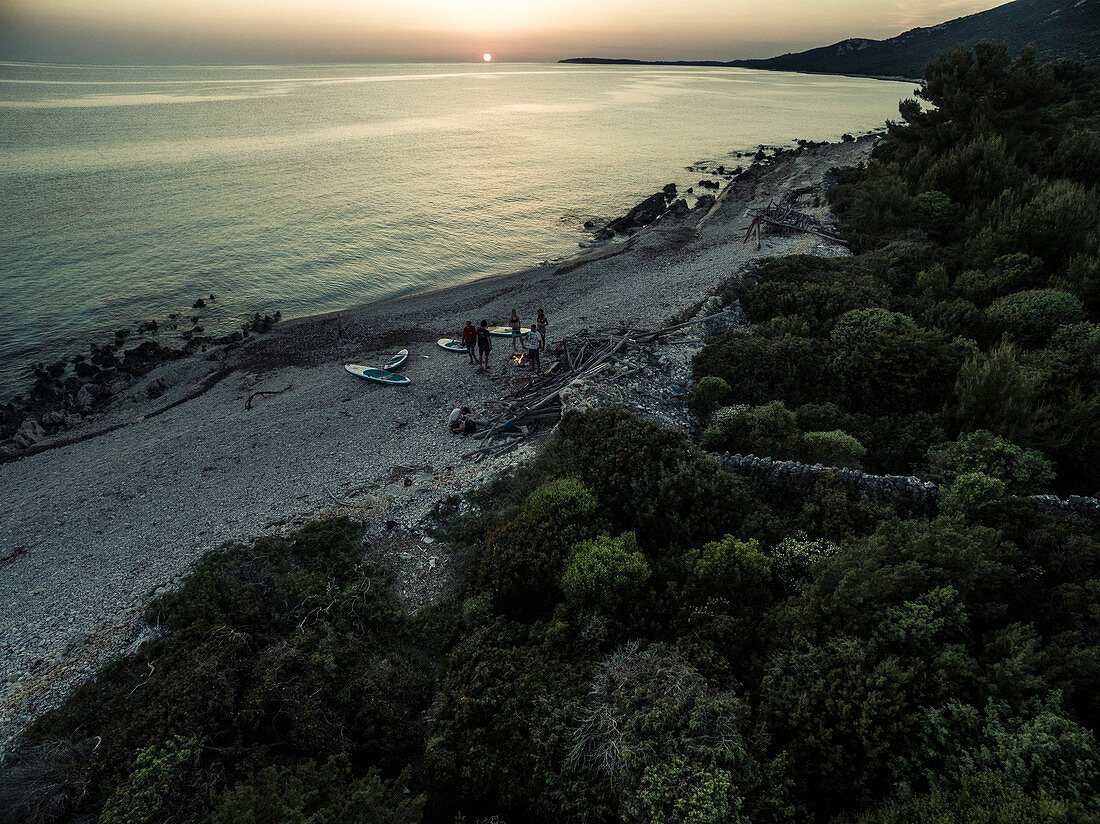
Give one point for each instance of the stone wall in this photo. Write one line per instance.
(907, 492)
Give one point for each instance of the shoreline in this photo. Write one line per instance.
(104, 522)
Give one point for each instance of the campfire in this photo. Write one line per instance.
(519, 359)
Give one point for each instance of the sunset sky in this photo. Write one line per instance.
(236, 31)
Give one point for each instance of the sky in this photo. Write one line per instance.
(249, 31)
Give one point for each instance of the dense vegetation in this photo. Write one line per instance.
(641, 637)
(962, 336)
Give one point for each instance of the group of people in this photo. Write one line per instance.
(480, 337)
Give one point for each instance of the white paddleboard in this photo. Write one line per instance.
(451, 345)
(506, 331)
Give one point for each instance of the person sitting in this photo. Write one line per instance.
(459, 422)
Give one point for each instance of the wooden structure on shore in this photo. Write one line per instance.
(785, 218)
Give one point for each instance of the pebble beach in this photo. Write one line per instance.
(274, 433)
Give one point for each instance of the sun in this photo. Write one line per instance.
(488, 58)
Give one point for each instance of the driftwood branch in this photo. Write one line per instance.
(248, 403)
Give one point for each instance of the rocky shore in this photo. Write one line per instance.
(187, 451)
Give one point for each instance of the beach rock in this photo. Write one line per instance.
(704, 202)
(199, 304)
(641, 215)
(669, 191)
(53, 419)
(72, 419)
(149, 354)
(28, 434)
(84, 369)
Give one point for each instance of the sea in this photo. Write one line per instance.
(128, 192)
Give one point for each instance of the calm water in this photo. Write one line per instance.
(129, 192)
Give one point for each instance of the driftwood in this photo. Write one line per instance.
(786, 218)
(248, 403)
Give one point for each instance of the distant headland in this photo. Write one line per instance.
(1057, 29)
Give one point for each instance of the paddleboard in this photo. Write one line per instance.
(373, 373)
(506, 331)
(383, 375)
(451, 345)
(396, 360)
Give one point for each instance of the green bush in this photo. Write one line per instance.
(310, 794)
(1035, 745)
(710, 394)
(999, 393)
(561, 502)
(679, 792)
(141, 797)
(984, 798)
(972, 490)
(522, 558)
(758, 369)
(861, 325)
(814, 289)
(605, 572)
(888, 365)
(1007, 274)
(835, 448)
(795, 558)
(1030, 318)
(728, 429)
(651, 480)
(1022, 470)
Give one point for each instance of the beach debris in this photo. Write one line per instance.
(248, 403)
(787, 219)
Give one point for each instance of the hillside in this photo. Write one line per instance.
(1059, 30)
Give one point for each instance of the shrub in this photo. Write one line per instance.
(997, 392)
(971, 171)
(679, 792)
(45, 782)
(836, 448)
(989, 798)
(1021, 470)
(937, 214)
(711, 393)
(728, 429)
(560, 503)
(141, 796)
(605, 572)
(1030, 318)
(861, 325)
(522, 558)
(1035, 745)
(732, 569)
(795, 558)
(1052, 220)
(1007, 274)
(771, 428)
(812, 288)
(891, 366)
(955, 317)
(760, 369)
(972, 490)
(310, 794)
(652, 480)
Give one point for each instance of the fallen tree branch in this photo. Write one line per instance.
(248, 403)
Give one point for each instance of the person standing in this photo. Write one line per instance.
(484, 345)
(514, 323)
(540, 324)
(534, 343)
(469, 338)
